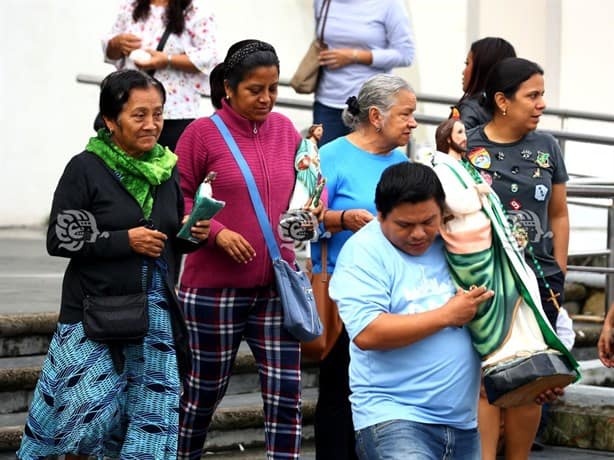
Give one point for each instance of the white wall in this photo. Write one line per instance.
(46, 116)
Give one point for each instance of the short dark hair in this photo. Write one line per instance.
(506, 77)
(116, 87)
(241, 59)
(485, 53)
(407, 182)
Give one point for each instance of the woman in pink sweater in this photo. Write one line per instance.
(227, 288)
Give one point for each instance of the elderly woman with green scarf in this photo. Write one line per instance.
(115, 214)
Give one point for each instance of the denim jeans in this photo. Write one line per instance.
(403, 440)
(330, 118)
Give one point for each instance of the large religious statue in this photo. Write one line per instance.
(521, 354)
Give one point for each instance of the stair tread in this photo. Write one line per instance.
(230, 403)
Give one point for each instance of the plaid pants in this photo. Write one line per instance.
(217, 320)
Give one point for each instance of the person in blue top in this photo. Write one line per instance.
(381, 119)
(364, 38)
(414, 374)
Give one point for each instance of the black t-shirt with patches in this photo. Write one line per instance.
(522, 173)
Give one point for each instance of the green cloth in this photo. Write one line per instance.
(495, 268)
(139, 176)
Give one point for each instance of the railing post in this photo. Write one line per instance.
(562, 141)
(609, 298)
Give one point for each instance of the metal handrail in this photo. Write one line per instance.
(422, 98)
(562, 113)
(583, 190)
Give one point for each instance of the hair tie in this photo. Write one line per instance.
(353, 106)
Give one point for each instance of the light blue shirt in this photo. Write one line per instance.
(351, 175)
(381, 26)
(435, 380)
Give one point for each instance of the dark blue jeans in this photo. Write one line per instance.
(403, 440)
(330, 118)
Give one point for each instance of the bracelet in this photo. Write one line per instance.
(355, 56)
(168, 66)
(343, 223)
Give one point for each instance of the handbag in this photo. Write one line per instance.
(299, 308)
(117, 319)
(305, 79)
(98, 120)
(318, 349)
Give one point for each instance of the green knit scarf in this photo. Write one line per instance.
(138, 175)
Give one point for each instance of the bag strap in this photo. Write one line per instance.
(161, 44)
(254, 195)
(324, 258)
(322, 19)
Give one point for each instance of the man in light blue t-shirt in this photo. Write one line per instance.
(414, 374)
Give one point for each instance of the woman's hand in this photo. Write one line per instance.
(159, 60)
(355, 219)
(125, 43)
(200, 230)
(318, 211)
(145, 241)
(337, 58)
(235, 246)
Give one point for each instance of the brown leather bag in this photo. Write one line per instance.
(318, 349)
(305, 79)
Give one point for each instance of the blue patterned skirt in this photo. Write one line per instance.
(82, 406)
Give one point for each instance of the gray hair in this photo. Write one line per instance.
(379, 92)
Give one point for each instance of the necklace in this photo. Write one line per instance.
(520, 236)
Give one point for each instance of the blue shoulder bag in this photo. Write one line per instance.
(299, 307)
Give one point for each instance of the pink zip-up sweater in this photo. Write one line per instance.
(269, 148)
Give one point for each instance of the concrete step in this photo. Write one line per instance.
(582, 418)
(237, 424)
(18, 377)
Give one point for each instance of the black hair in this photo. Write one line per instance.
(485, 53)
(407, 182)
(175, 13)
(116, 87)
(506, 77)
(241, 59)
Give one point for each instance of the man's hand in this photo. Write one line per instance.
(461, 308)
(146, 241)
(235, 246)
(549, 395)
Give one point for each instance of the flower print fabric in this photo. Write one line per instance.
(198, 41)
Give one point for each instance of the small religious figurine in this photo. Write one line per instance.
(521, 354)
(298, 223)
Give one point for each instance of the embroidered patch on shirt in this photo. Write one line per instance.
(479, 157)
(543, 159)
(541, 192)
(515, 205)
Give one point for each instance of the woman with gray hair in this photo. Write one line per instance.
(381, 119)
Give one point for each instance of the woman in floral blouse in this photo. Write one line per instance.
(184, 63)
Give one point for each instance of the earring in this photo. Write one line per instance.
(378, 129)
(504, 112)
(227, 97)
